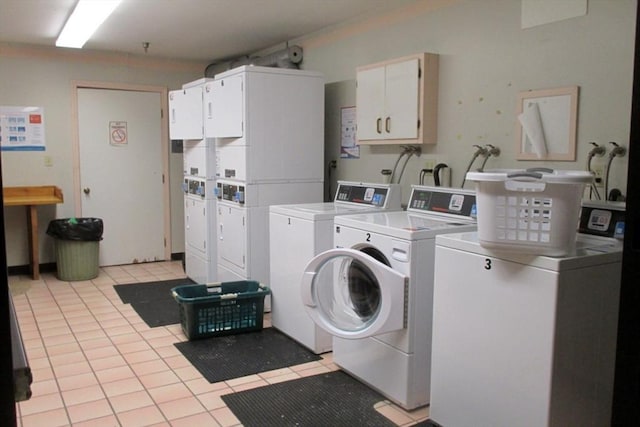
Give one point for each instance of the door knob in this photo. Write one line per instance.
(87, 190)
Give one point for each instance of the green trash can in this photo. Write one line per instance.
(77, 246)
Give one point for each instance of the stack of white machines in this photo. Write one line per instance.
(186, 122)
(269, 131)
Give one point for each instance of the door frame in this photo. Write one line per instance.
(164, 141)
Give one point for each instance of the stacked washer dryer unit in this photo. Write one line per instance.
(527, 340)
(374, 291)
(299, 232)
(269, 131)
(186, 122)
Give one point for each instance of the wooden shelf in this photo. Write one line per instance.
(25, 196)
(31, 198)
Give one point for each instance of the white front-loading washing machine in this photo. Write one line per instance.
(374, 291)
(297, 233)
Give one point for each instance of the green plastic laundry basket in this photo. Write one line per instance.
(77, 260)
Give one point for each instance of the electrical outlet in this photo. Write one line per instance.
(598, 170)
(430, 164)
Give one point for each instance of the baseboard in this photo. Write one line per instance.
(15, 270)
(50, 267)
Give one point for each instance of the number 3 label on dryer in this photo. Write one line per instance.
(487, 264)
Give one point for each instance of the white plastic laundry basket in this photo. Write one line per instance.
(533, 211)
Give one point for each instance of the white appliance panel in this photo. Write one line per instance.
(293, 242)
(185, 113)
(199, 158)
(232, 235)
(200, 239)
(527, 345)
(232, 161)
(224, 107)
(283, 135)
(195, 215)
(399, 376)
(199, 269)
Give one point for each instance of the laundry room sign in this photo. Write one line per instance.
(118, 134)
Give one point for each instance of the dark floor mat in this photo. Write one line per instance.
(153, 301)
(332, 399)
(233, 356)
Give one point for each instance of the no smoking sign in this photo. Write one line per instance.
(118, 134)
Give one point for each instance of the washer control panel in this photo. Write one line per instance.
(451, 201)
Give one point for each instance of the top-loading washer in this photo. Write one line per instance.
(297, 233)
(374, 291)
(527, 340)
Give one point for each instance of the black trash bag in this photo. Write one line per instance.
(83, 229)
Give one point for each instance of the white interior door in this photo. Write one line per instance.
(121, 172)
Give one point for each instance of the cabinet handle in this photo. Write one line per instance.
(387, 124)
(379, 125)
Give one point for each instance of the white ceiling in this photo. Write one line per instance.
(200, 30)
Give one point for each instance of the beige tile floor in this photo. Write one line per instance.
(96, 363)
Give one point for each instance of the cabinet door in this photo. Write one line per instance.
(401, 100)
(370, 103)
(195, 224)
(232, 235)
(185, 113)
(224, 108)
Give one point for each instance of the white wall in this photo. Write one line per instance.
(42, 77)
(485, 60)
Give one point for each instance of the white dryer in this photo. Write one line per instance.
(374, 291)
(297, 233)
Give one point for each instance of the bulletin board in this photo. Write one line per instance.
(547, 123)
(22, 128)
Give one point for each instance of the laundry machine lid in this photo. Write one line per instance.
(352, 295)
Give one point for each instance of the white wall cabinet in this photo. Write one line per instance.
(397, 101)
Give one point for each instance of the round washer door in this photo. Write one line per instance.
(352, 295)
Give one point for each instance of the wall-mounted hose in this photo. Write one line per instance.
(436, 173)
(409, 151)
(597, 150)
(617, 151)
(491, 151)
(480, 151)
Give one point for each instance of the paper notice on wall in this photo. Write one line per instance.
(348, 147)
(22, 128)
(532, 126)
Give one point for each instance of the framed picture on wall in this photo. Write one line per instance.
(547, 124)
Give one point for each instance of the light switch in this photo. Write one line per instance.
(48, 161)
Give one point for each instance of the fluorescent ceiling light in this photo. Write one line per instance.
(84, 21)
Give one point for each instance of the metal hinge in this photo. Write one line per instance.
(419, 73)
(165, 242)
(161, 113)
(163, 178)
